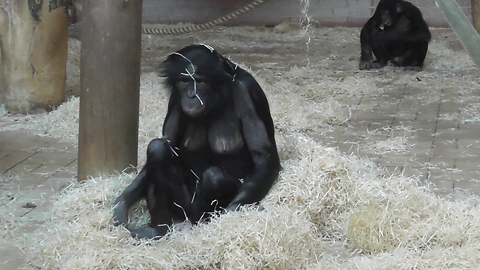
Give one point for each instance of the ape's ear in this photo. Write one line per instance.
(168, 70)
(170, 67)
(164, 67)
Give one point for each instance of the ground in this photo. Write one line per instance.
(415, 125)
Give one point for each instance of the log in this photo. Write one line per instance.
(109, 86)
(33, 41)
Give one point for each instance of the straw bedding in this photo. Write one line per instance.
(326, 211)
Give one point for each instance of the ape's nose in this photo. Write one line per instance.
(191, 93)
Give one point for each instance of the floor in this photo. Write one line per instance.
(440, 150)
(32, 170)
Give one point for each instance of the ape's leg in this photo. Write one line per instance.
(217, 188)
(136, 190)
(413, 58)
(382, 55)
(216, 181)
(168, 197)
(158, 208)
(380, 47)
(132, 194)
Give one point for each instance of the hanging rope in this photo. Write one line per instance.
(203, 26)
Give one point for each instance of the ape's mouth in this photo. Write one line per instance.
(386, 24)
(193, 111)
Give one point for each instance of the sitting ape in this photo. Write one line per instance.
(396, 32)
(218, 147)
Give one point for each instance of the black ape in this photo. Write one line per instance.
(396, 32)
(218, 148)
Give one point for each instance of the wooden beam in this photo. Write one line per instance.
(462, 27)
(110, 86)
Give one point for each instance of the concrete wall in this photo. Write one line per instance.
(323, 12)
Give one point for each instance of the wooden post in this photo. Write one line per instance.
(33, 43)
(476, 14)
(110, 86)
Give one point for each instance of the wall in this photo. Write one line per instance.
(323, 12)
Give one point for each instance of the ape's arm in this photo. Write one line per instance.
(265, 157)
(172, 124)
(366, 42)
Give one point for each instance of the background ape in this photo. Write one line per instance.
(218, 149)
(396, 32)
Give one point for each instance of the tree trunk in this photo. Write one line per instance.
(33, 41)
(109, 86)
(476, 14)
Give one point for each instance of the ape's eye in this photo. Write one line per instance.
(199, 82)
(183, 80)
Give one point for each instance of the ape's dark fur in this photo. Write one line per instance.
(396, 32)
(218, 149)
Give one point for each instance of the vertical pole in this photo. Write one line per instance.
(476, 14)
(110, 86)
(462, 28)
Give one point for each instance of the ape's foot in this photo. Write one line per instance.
(184, 227)
(414, 68)
(120, 214)
(364, 65)
(377, 65)
(150, 233)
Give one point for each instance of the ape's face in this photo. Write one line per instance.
(194, 91)
(387, 19)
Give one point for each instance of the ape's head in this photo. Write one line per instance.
(390, 11)
(199, 78)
